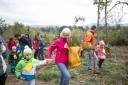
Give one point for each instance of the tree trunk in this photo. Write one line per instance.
(106, 20)
(98, 19)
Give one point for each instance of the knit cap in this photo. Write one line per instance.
(13, 48)
(27, 50)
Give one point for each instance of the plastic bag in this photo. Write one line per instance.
(74, 56)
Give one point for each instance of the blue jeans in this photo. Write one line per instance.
(32, 82)
(65, 75)
(92, 60)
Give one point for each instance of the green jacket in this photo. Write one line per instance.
(20, 68)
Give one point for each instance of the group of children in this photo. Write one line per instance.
(22, 63)
(24, 66)
(16, 47)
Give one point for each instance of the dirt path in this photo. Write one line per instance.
(11, 80)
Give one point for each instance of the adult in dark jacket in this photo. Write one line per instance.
(41, 48)
(23, 40)
(28, 40)
(3, 66)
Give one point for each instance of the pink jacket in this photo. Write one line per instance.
(61, 52)
(100, 52)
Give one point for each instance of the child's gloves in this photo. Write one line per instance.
(20, 77)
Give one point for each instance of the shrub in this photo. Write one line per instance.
(76, 38)
(48, 75)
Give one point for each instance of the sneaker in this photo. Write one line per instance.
(89, 68)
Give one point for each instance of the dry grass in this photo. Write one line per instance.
(114, 72)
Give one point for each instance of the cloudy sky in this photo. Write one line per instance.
(48, 12)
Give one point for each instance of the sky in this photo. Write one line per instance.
(48, 12)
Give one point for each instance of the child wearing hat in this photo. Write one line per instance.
(13, 59)
(100, 51)
(26, 68)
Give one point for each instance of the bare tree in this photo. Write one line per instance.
(102, 4)
(79, 18)
(117, 3)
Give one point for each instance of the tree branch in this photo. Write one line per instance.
(117, 3)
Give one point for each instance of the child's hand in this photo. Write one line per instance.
(22, 78)
(49, 60)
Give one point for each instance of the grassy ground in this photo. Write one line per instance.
(113, 72)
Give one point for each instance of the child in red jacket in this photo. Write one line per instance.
(11, 43)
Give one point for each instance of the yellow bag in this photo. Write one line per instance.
(28, 67)
(74, 59)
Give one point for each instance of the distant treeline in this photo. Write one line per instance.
(114, 35)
